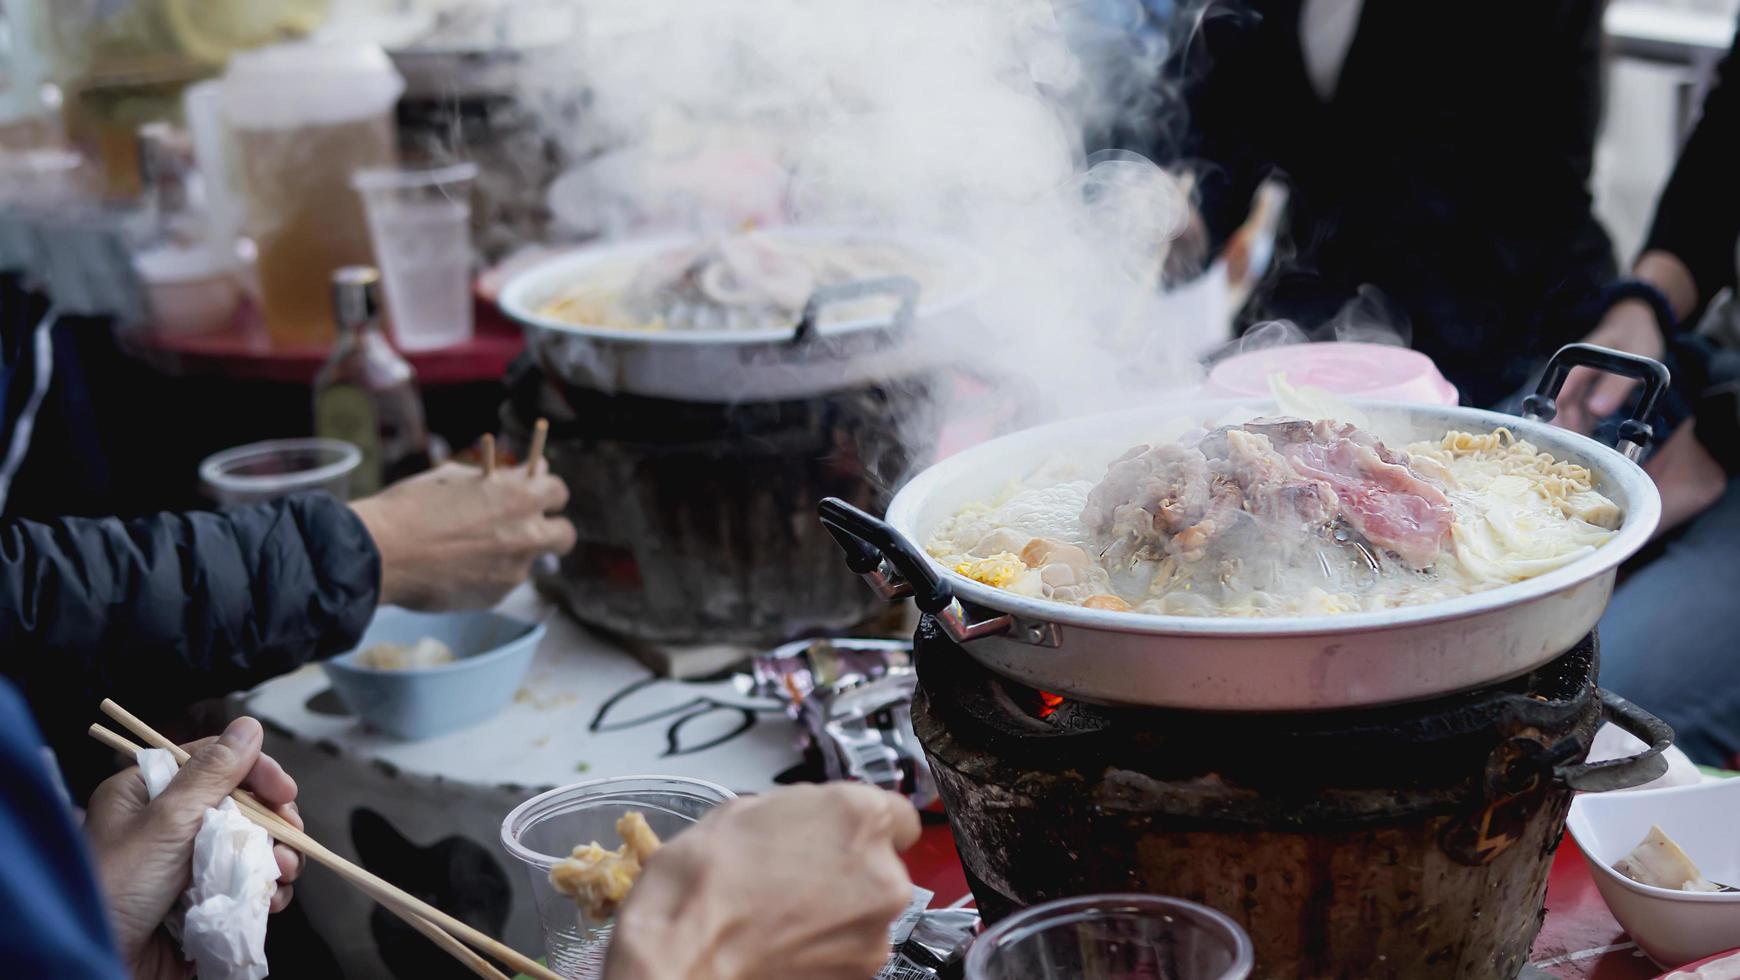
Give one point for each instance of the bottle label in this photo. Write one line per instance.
(345, 412)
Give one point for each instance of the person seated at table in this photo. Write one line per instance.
(182, 606)
(802, 882)
(1667, 639)
(1440, 153)
(1463, 198)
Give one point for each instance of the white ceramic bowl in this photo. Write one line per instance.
(1673, 927)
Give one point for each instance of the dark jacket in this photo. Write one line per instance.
(1450, 170)
(1697, 217)
(55, 923)
(162, 611)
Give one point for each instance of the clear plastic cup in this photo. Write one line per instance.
(545, 828)
(420, 225)
(1112, 937)
(279, 467)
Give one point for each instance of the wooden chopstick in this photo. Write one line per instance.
(489, 454)
(540, 432)
(378, 888)
(283, 831)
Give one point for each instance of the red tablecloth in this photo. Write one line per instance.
(243, 352)
(1580, 940)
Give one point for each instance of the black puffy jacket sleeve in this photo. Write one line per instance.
(166, 610)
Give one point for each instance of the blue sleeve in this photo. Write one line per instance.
(52, 921)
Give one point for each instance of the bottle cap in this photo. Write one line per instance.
(356, 295)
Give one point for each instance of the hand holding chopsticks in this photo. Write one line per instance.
(427, 919)
(487, 455)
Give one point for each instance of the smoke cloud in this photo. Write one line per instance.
(965, 118)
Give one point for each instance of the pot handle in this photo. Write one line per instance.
(884, 557)
(1634, 433)
(1634, 770)
(903, 287)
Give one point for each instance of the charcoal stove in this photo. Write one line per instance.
(694, 518)
(1408, 840)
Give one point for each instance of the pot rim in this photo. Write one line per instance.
(529, 288)
(1637, 523)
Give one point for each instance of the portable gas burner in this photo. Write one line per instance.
(1410, 840)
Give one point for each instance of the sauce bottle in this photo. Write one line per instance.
(366, 393)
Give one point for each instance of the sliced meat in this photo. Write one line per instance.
(1384, 501)
(1225, 512)
(1274, 492)
(1146, 497)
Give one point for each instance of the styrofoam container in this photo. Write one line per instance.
(190, 290)
(1673, 927)
(1383, 372)
(493, 651)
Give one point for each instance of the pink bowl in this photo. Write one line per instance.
(1376, 371)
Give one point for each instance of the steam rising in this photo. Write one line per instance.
(959, 117)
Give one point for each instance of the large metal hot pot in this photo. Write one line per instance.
(728, 366)
(695, 455)
(1275, 664)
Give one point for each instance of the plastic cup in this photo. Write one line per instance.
(545, 828)
(1113, 937)
(420, 226)
(268, 470)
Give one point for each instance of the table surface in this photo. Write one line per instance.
(589, 710)
(243, 351)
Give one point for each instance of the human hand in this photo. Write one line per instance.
(1688, 477)
(802, 882)
(144, 847)
(1588, 396)
(453, 538)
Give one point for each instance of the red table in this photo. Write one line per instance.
(1580, 940)
(242, 351)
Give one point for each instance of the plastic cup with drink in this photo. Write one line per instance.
(419, 220)
(303, 118)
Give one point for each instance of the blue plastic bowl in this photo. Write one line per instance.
(494, 652)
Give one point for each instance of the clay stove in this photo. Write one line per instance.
(1407, 841)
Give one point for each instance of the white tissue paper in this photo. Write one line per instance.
(221, 919)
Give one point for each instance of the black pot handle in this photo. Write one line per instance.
(1635, 770)
(884, 557)
(1634, 433)
(905, 288)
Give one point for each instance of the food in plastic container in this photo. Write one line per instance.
(598, 880)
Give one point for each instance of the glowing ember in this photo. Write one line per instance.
(1048, 703)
